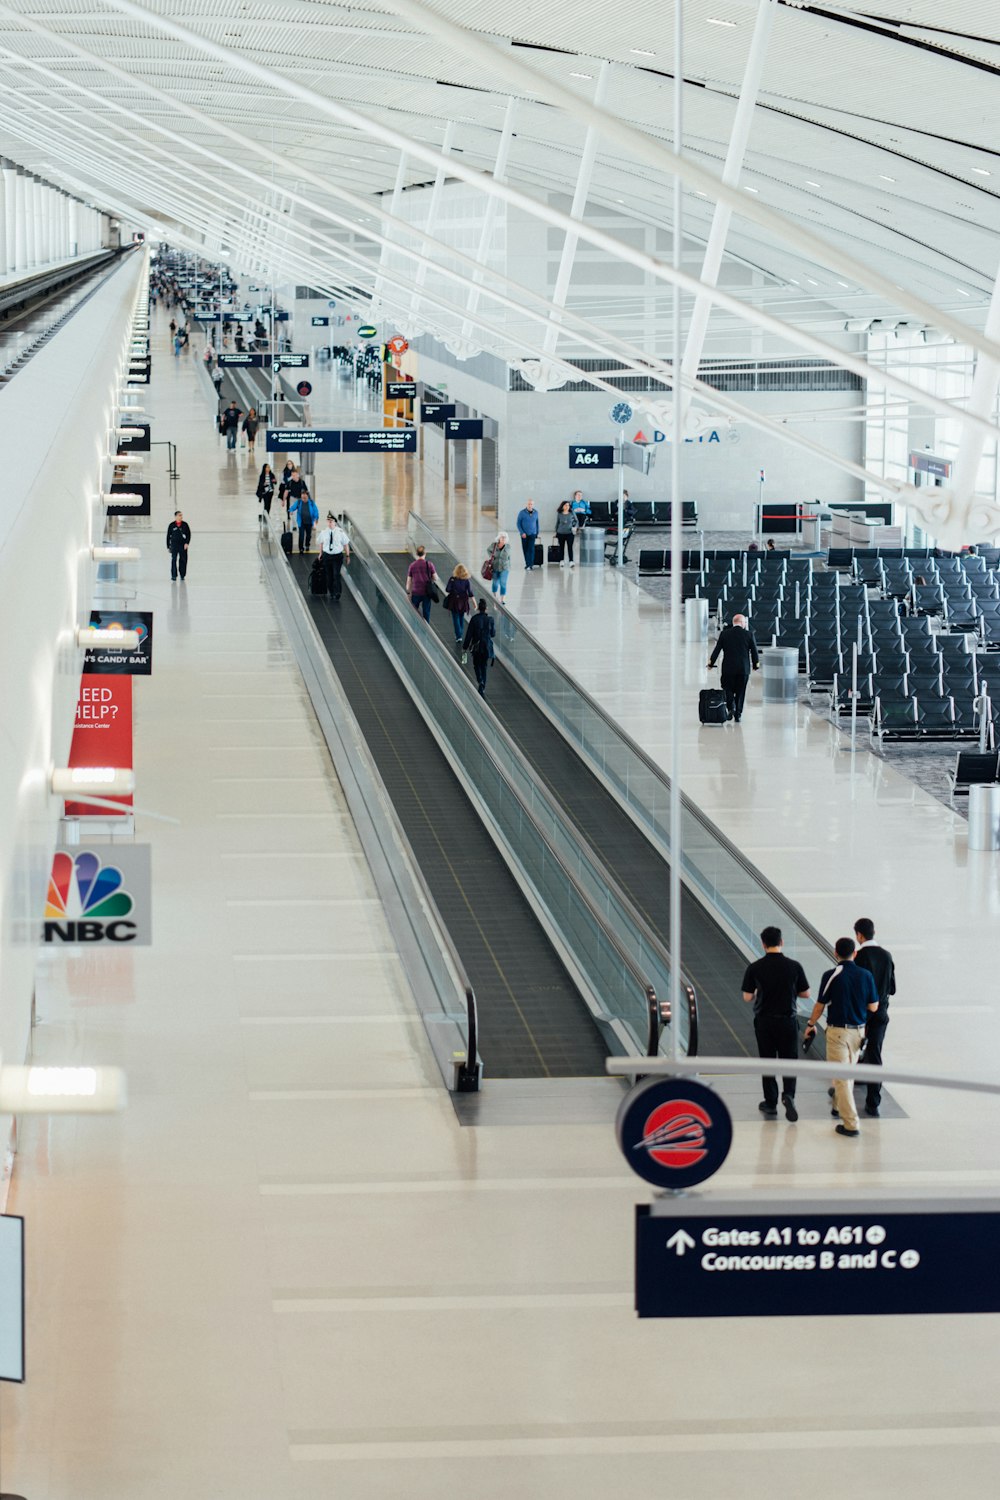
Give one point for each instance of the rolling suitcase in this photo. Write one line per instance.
(712, 706)
(317, 578)
(539, 554)
(553, 553)
(286, 540)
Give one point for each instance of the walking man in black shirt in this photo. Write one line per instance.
(775, 984)
(739, 650)
(878, 962)
(178, 541)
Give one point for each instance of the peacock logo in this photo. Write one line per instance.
(86, 901)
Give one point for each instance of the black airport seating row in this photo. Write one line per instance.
(646, 513)
(974, 768)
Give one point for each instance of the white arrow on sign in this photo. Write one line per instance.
(680, 1242)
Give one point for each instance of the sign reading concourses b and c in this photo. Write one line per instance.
(673, 1132)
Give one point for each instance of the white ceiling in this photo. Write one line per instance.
(878, 133)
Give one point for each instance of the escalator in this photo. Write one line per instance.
(533, 1021)
(712, 961)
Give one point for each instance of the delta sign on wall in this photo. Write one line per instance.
(100, 896)
(708, 437)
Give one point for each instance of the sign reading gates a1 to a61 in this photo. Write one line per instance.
(717, 1258)
(302, 439)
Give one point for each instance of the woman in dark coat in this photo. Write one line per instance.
(479, 640)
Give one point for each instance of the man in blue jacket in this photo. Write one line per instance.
(305, 511)
(527, 530)
(850, 993)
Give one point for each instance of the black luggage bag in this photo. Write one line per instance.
(712, 706)
(539, 554)
(317, 578)
(286, 541)
(554, 553)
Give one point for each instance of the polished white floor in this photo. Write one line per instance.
(287, 1271)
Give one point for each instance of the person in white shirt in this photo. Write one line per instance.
(335, 550)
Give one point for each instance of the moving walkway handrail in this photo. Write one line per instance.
(747, 932)
(470, 711)
(465, 1068)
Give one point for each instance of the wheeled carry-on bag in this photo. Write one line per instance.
(539, 554)
(286, 541)
(317, 577)
(553, 554)
(712, 706)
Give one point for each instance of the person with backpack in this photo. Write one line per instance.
(479, 641)
(420, 586)
(305, 512)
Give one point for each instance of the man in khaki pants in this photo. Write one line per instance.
(847, 993)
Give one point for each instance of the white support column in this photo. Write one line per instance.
(490, 209)
(981, 402)
(20, 221)
(583, 177)
(432, 212)
(10, 214)
(4, 210)
(29, 221)
(74, 227)
(730, 175)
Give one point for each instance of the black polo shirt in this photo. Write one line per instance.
(776, 982)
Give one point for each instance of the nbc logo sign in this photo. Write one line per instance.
(86, 901)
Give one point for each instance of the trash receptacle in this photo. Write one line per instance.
(984, 817)
(592, 547)
(810, 533)
(780, 665)
(696, 619)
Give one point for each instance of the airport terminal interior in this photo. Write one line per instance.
(500, 526)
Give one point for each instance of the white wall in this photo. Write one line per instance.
(60, 407)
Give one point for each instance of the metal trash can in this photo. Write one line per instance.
(984, 818)
(810, 533)
(591, 540)
(780, 665)
(696, 619)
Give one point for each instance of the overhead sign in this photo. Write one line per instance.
(709, 1258)
(464, 427)
(400, 390)
(11, 1297)
(592, 456)
(436, 411)
(131, 488)
(673, 1132)
(290, 362)
(367, 331)
(302, 439)
(304, 388)
(927, 463)
(101, 895)
(102, 735)
(252, 361)
(382, 440)
(398, 344)
(134, 438)
(320, 322)
(105, 660)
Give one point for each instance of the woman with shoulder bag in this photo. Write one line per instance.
(265, 488)
(458, 599)
(479, 640)
(501, 565)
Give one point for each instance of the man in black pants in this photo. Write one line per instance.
(178, 540)
(335, 550)
(775, 984)
(738, 649)
(878, 962)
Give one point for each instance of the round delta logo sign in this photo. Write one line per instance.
(673, 1132)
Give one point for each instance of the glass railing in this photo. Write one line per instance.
(743, 900)
(614, 951)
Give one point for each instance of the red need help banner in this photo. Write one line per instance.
(102, 735)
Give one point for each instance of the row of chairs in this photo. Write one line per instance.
(645, 513)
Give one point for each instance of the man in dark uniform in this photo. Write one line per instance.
(878, 962)
(739, 650)
(178, 540)
(775, 984)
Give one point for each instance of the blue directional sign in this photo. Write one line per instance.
(381, 440)
(400, 390)
(302, 440)
(464, 427)
(245, 361)
(702, 1259)
(436, 411)
(592, 456)
(320, 322)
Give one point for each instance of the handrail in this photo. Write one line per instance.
(466, 1069)
(427, 644)
(658, 1014)
(771, 891)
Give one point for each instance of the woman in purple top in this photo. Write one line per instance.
(458, 599)
(420, 577)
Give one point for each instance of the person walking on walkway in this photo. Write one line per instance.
(305, 513)
(420, 577)
(500, 553)
(565, 532)
(250, 424)
(479, 641)
(266, 485)
(458, 600)
(230, 424)
(738, 649)
(335, 550)
(178, 542)
(774, 985)
(878, 961)
(849, 996)
(528, 522)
